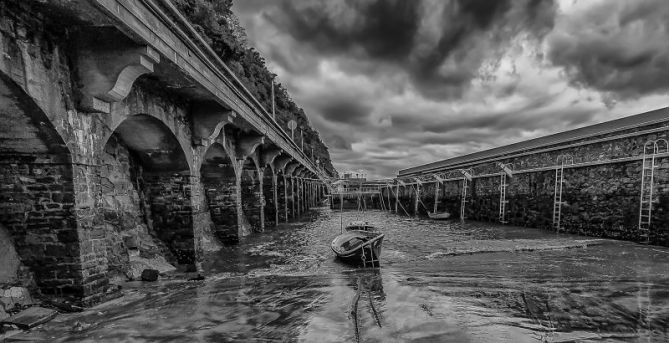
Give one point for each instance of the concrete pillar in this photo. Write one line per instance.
(389, 206)
(276, 198)
(242, 230)
(285, 196)
(270, 197)
(303, 197)
(299, 196)
(415, 204)
(310, 196)
(261, 196)
(293, 196)
(307, 191)
(397, 196)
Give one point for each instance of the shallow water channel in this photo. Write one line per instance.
(439, 282)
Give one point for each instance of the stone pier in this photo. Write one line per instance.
(122, 136)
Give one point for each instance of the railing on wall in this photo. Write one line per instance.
(188, 38)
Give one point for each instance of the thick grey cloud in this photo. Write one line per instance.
(618, 46)
(391, 84)
(440, 44)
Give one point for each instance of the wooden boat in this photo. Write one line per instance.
(360, 226)
(438, 216)
(359, 245)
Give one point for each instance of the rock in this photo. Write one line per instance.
(3, 314)
(79, 326)
(138, 264)
(198, 277)
(131, 242)
(15, 296)
(150, 275)
(31, 317)
(63, 306)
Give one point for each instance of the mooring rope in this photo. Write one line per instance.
(371, 306)
(354, 310)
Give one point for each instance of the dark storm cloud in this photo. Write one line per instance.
(618, 46)
(345, 111)
(440, 44)
(391, 84)
(383, 29)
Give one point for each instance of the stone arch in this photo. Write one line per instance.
(145, 180)
(37, 199)
(152, 134)
(252, 199)
(143, 107)
(219, 179)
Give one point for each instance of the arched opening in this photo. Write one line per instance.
(146, 200)
(37, 198)
(252, 197)
(219, 180)
(269, 187)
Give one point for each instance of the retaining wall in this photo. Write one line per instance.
(600, 192)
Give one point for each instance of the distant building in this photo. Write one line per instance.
(357, 175)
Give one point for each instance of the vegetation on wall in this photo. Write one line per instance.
(220, 27)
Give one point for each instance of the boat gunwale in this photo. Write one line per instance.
(346, 253)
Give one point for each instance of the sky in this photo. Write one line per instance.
(392, 84)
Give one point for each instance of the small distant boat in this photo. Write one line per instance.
(438, 216)
(359, 245)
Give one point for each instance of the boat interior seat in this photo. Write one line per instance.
(352, 243)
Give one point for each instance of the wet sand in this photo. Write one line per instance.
(439, 282)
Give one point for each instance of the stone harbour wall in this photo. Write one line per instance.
(600, 192)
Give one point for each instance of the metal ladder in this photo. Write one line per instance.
(436, 196)
(502, 198)
(647, 197)
(463, 199)
(557, 196)
(506, 172)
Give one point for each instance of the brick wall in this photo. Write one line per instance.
(282, 188)
(251, 198)
(221, 194)
(169, 195)
(36, 207)
(268, 194)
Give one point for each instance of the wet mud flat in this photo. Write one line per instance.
(439, 282)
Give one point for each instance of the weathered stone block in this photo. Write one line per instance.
(150, 275)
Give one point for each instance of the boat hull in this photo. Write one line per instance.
(439, 216)
(364, 251)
